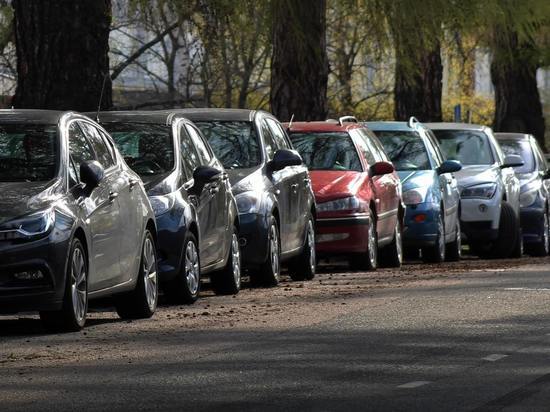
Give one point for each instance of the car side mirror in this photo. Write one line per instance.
(512, 161)
(284, 158)
(381, 168)
(449, 166)
(91, 174)
(203, 175)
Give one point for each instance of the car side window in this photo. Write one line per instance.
(433, 154)
(80, 150)
(102, 150)
(365, 150)
(269, 141)
(543, 167)
(189, 156)
(205, 156)
(278, 135)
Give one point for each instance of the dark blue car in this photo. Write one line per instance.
(430, 190)
(534, 179)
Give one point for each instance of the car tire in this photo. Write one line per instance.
(142, 302)
(436, 253)
(228, 280)
(303, 266)
(185, 288)
(508, 230)
(517, 250)
(542, 248)
(270, 271)
(72, 316)
(454, 249)
(392, 255)
(369, 260)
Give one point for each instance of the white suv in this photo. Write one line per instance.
(489, 189)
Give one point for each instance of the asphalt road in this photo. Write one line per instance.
(450, 338)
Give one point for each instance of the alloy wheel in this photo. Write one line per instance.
(236, 260)
(274, 255)
(372, 246)
(79, 287)
(192, 270)
(441, 238)
(150, 274)
(546, 236)
(311, 245)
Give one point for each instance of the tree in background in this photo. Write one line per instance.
(62, 54)
(299, 66)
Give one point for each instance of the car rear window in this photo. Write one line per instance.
(406, 149)
(327, 151)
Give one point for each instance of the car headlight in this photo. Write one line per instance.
(248, 202)
(346, 203)
(31, 226)
(162, 204)
(482, 191)
(416, 196)
(528, 197)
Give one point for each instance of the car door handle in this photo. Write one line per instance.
(225, 176)
(294, 186)
(214, 190)
(133, 183)
(112, 196)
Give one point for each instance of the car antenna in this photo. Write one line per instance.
(101, 95)
(291, 120)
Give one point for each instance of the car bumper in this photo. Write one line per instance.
(342, 235)
(47, 257)
(421, 225)
(479, 218)
(171, 231)
(253, 238)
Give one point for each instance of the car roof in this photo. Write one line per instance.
(319, 126)
(205, 114)
(454, 126)
(31, 116)
(512, 136)
(135, 116)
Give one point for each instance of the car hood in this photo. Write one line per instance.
(333, 184)
(20, 198)
(417, 178)
(477, 174)
(244, 180)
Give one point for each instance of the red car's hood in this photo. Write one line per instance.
(333, 184)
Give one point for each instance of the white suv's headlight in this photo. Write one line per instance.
(34, 225)
(347, 203)
(416, 196)
(482, 191)
(528, 197)
(248, 202)
(162, 204)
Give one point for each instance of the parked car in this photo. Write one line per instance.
(272, 188)
(358, 193)
(489, 189)
(430, 190)
(534, 179)
(197, 219)
(75, 222)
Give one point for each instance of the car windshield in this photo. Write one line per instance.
(523, 149)
(147, 148)
(467, 146)
(405, 149)
(327, 151)
(235, 143)
(28, 153)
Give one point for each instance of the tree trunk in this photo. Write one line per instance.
(299, 67)
(418, 82)
(518, 106)
(62, 54)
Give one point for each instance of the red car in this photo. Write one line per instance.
(358, 192)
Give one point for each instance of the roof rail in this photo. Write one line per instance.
(350, 119)
(412, 121)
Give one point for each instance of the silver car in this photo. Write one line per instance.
(489, 189)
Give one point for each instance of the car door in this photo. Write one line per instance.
(298, 178)
(282, 181)
(101, 212)
(212, 212)
(447, 185)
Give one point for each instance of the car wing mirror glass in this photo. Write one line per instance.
(381, 168)
(91, 174)
(449, 166)
(203, 175)
(284, 158)
(513, 161)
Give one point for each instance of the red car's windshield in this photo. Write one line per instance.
(327, 151)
